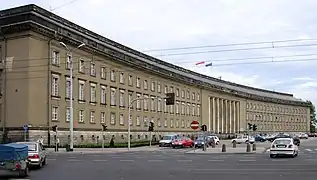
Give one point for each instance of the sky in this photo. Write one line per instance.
(166, 24)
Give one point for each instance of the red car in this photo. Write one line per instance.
(183, 142)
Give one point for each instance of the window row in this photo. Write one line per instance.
(274, 108)
(125, 78)
(119, 118)
(274, 118)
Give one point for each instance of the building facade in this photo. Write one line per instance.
(35, 83)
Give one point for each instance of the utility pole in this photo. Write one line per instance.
(71, 121)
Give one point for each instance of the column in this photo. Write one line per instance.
(227, 116)
(230, 117)
(238, 115)
(209, 109)
(234, 116)
(213, 115)
(218, 115)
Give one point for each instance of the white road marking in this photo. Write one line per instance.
(184, 160)
(100, 160)
(127, 160)
(155, 160)
(216, 160)
(74, 160)
(51, 159)
(277, 160)
(308, 150)
(72, 157)
(247, 160)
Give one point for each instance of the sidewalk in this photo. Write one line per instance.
(100, 150)
(229, 150)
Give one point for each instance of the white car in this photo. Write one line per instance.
(215, 138)
(243, 139)
(37, 154)
(167, 140)
(283, 146)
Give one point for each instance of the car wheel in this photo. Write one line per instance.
(272, 156)
(173, 146)
(24, 173)
(294, 154)
(44, 162)
(40, 165)
(246, 141)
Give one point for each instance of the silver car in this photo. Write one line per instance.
(37, 154)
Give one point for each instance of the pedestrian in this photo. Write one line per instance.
(41, 140)
(57, 144)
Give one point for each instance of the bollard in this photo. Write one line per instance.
(223, 149)
(253, 147)
(204, 147)
(234, 144)
(248, 147)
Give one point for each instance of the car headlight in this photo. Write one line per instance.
(202, 143)
(195, 142)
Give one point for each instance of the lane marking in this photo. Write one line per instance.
(155, 160)
(184, 160)
(51, 159)
(72, 157)
(308, 150)
(74, 160)
(126, 160)
(277, 160)
(216, 160)
(100, 160)
(247, 160)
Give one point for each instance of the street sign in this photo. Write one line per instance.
(194, 125)
(26, 127)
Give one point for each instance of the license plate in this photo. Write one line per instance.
(281, 146)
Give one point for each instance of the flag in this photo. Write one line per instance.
(209, 64)
(201, 62)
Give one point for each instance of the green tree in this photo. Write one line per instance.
(312, 116)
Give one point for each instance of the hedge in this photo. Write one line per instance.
(107, 145)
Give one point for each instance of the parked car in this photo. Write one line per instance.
(167, 140)
(14, 158)
(215, 139)
(202, 140)
(295, 138)
(243, 139)
(259, 138)
(36, 153)
(303, 136)
(283, 146)
(183, 142)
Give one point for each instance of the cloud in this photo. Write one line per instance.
(144, 24)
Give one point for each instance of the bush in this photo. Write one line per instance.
(110, 145)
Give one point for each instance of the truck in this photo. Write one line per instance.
(14, 159)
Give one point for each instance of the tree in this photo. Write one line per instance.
(312, 116)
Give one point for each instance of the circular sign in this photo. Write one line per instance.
(194, 125)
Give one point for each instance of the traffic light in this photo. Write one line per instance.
(249, 126)
(255, 127)
(203, 128)
(54, 128)
(151, 127)
(104, 127)
(170, 98)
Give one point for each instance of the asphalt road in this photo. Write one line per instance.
(168, 163)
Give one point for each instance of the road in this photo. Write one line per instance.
(175, 164)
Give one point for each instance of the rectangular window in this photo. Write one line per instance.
(103, 74)
(81, 66)
(198, 110)
(138, 102)
(145, 121)
(159, 104)
(122, 98)
(103, 94)
(113, 97)
(68, 61)
(177, 107)
(121, 119)
(112, 118)
(152, 103)
(68, 87)
(130, 99)
(177, 92)
(183, 108)
(145, 102)
(67, 114)
(81, 116)
(92, 116)
(130, 80)
(153, 86)
(165, 89)
(81, 89)
(138, 82)
(55, 113)
(102, 117)
(93, 92)
(121, 79)
(138, 121)
(193, 110)
(145, 85)
(55, 85)
(183, 94)
(56, 58)
(158, 88)
(113, 75)
(92, 69)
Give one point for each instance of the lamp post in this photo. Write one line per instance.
(71, 120)
(129, 115)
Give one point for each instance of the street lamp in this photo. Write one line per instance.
(71, 121)
(129, 120)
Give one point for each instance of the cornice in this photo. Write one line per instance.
(25, 19)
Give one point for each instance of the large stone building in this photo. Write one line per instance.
(107, 75)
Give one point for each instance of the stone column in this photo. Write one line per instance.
(222, 116)
(213, 115)
(209, 115)
(230, 117)
(238, 116)
(234, 116)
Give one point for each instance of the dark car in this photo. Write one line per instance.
(259, 138)
(295, 138)
(201, 141)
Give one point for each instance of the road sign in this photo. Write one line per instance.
(194, 125)
(26, 127)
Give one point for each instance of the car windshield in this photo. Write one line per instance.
(32, 147)
(282, 141)
(167, 137)
(200, 138)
